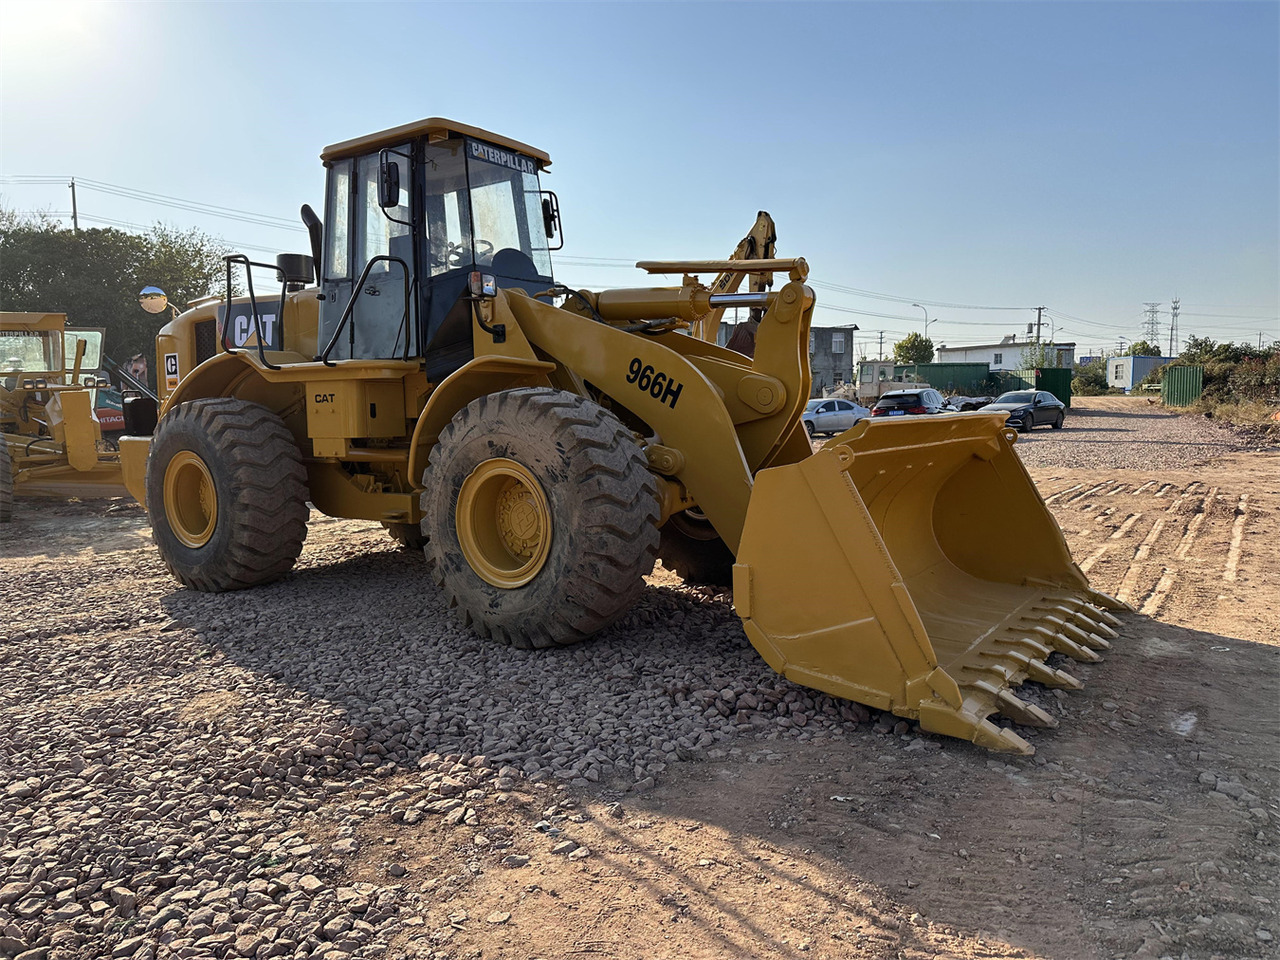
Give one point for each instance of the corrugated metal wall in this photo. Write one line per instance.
(1182, 386)
(968, 379)
(1056, 380)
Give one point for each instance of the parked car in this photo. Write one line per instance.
(831, 415)
(1027, 408)
(898, 403)
(969, 403)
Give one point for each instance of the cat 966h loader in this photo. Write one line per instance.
(544, 444)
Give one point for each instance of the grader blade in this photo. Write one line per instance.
(912, 566)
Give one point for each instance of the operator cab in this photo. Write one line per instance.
(410, 214)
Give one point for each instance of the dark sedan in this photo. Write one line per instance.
(1029, 408)
(898, 403)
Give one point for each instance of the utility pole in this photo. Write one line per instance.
(1173, 326)
(1039, 320)
(1151, 332)
(882, 344)
(75, 217)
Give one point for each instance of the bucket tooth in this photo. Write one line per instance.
(1090, 640)
(1106, 603)
(1019, 711)
(1043, 673)
(1084, 615)
(1002, 673)
(1096, 627)
(939, 717)
(1064, 644)
(1039, 650)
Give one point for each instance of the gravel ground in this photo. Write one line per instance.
(1127, 433)
(168, 767)
(190, 775)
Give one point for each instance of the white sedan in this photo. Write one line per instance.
(831, 415)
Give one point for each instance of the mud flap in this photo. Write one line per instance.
(912, 566)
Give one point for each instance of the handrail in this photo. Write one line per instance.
(253, 303)
(351, 303)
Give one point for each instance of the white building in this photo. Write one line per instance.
(1124, 372)
(1005, 355)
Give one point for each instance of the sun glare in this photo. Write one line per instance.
(35, 29)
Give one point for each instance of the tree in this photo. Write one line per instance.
(93, 276)
(1090, 379)
(1143, 348)
(913, 348)
(1037, 355)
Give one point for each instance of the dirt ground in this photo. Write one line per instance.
(1144, 827)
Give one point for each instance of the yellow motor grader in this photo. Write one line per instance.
(544, 444)
(51, 433)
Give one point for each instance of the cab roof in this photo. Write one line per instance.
(33, 321)
(434, 128)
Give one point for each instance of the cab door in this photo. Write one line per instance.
(361, 232)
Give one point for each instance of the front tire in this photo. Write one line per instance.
(540, 515)
(226, 494)
(1027, 422)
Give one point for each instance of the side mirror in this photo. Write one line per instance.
(153, 300)
(388, 183)
(551, 218)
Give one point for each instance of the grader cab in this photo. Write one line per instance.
(52, 440)
(544, 444)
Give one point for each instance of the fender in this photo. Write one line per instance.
(477, 378)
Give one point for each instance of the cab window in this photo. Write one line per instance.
(337, 220)
(448, 217)
(507, 212)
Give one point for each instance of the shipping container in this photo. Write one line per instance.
(967, 379)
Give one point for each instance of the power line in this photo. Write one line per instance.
(873, 295)
(137, 226)
(163, 200)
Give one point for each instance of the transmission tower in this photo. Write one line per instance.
(1151, 331)
(1173, 327)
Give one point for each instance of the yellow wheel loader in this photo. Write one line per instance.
(545, 444)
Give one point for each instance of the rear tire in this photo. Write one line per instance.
(541, 517)
(691, 548)
(6, 482)
(408, 535)
(226, 494)
(1057, 424)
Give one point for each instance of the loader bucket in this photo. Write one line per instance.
(912, 566)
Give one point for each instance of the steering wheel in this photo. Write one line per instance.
(456, 255)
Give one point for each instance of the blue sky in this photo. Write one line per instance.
(1083, 156)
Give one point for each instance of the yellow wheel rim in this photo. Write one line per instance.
(190, 499)
(504, 523)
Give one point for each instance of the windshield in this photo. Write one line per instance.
(92, 349)
(31, 351)
(506, 212)
(1014, 398)
(811, 406)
